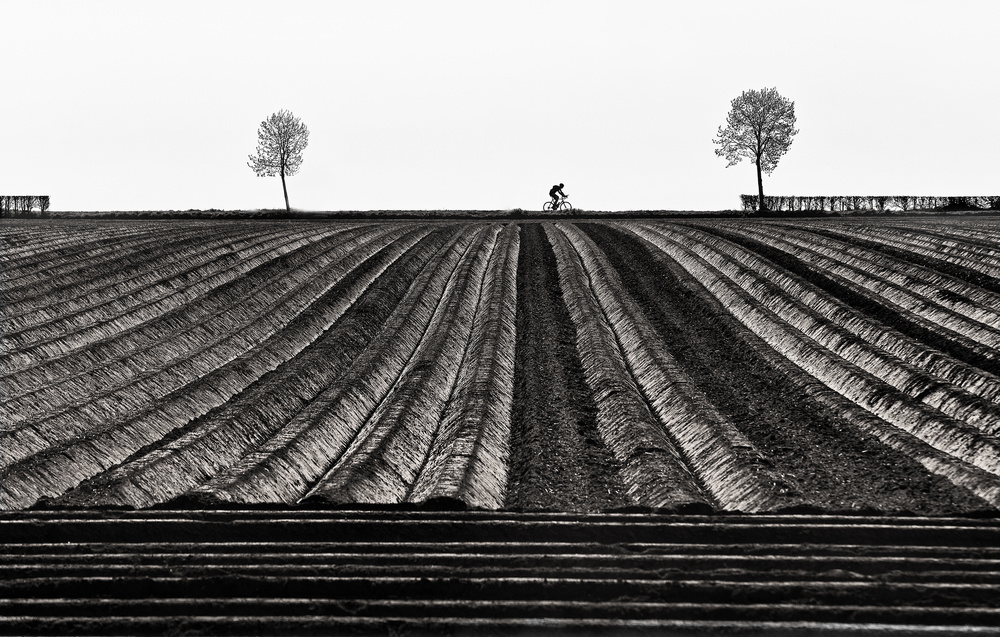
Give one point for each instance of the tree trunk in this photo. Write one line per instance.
(288, 208)
(761, 206)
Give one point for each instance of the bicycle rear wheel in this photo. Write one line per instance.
(547, 206)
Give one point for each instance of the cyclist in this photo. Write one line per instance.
(555, 192)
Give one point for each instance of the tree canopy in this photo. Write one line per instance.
(281, 139)
(759, 127)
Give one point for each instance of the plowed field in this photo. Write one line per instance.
(495, 573)
(697, 366)
(627, 373)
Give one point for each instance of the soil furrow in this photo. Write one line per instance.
(961, 306)
(908, 296)
(830, 311)
(826, 459)
(557, 459)
(773, 293)
(215, 436)
(131, 252)
(288, 466)
(912, 326)
(181, 265)
(956, 270)
(118, 388)
(48, 272)
(208, 280)
(214, 615)
(469, 460)
(65, 463)
(181, 313)
(383, 469)
(872, 406)
(722, 459)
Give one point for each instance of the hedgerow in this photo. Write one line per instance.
(869, 203)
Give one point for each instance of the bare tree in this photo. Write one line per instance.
(281, 139)
(759, 127)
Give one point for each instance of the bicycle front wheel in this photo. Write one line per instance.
(566, 206)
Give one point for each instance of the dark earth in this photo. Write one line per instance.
(884, 546)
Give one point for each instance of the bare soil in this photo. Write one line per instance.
(529, 570)
(886, 314)
(827, 460)
(420, 573)
(558, 460)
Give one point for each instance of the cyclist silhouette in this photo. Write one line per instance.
(555, 192)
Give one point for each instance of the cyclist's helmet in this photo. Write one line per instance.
(560, 185)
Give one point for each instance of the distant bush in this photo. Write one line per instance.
(869, 203)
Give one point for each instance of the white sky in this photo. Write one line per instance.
(484, 105)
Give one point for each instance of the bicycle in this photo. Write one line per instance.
(562, 205)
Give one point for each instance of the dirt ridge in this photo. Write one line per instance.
(354, 572)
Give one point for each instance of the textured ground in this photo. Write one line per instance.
(314, 572)
(586, 366)
(260, 427)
